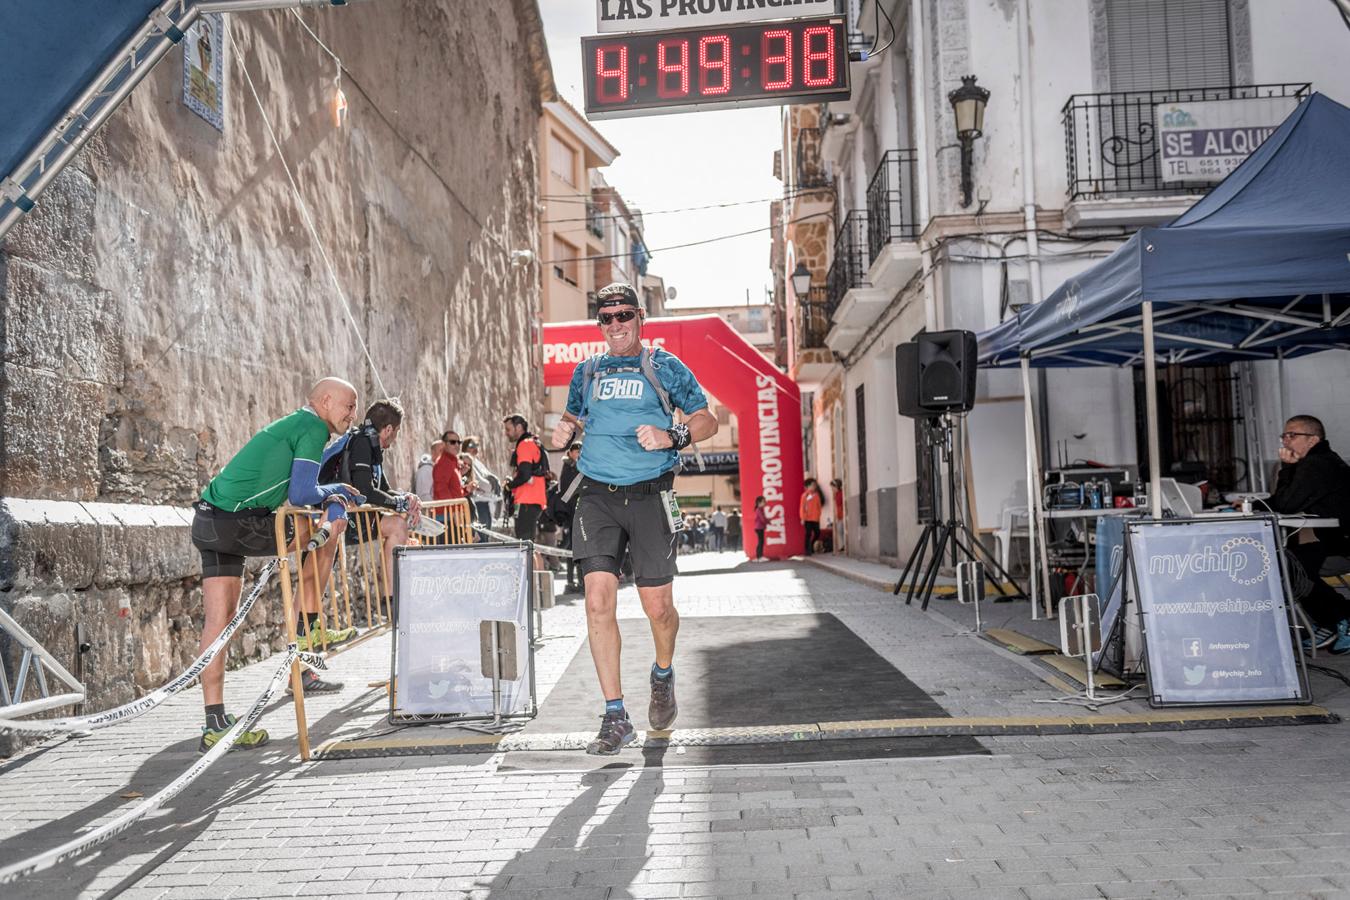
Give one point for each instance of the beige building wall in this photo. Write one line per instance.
(573, 228)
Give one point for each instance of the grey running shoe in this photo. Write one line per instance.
(615, 733)
(662, 709)
(313, 684)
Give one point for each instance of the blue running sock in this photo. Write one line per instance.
(663, 674)
(614, 707)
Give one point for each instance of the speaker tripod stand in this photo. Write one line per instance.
(952, 534)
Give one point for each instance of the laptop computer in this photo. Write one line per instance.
(1174, 498)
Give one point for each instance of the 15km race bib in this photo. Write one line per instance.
(621, 389)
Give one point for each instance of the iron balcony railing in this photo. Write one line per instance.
(1111, 143)
(848, 270)
(890, 202)
(809, 170)
(813, 318)
(595, 219)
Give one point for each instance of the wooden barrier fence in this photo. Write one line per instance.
(341, 619)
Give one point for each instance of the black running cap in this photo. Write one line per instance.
(618, 293)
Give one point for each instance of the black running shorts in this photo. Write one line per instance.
(225, 538)
(609, 522)
(527, 521)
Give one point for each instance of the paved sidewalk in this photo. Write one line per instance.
(1218, 812)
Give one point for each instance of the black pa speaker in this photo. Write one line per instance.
(935, 373)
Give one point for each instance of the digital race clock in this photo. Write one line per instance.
(745, 65)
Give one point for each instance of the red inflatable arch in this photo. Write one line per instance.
(766, 402)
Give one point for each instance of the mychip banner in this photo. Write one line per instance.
(1215, 617)
(443, 593)
(1110, 575)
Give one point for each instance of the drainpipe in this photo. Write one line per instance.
(1028, 149)
(1024, 99)
(918, 107)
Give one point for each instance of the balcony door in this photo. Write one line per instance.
(1156, 45)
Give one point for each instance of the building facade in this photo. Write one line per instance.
(903, 229)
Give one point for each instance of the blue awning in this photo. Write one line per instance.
(52, 49)
(1258, 267)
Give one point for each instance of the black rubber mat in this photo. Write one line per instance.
(743, 672)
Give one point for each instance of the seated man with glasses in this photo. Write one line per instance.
(1313, 479)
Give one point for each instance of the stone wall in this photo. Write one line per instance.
(166, 299)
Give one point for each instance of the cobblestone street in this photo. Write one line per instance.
(1230, 812)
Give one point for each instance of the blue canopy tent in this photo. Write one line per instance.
(68, 64)
(1257, 269)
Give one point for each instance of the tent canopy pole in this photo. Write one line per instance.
(1151, 413)
(1034, 488)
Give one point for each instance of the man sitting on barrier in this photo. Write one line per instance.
(235, 518)
(1313, 479)
(357, 458)
(626, 398)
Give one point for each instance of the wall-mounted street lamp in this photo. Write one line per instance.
(968, 101)
(801, 280)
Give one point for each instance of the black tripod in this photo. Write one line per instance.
(938, 535)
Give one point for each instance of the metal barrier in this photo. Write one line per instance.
(309, 580)
(35, 659)
(455, 515)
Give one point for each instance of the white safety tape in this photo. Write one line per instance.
(159, 695)
(103, 833)
(538, 548)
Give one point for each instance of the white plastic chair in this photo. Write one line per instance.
(1009, 529)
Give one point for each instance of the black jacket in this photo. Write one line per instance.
(365, 462)
(1319, 484)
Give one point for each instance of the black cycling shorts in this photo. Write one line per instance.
(609, 522)
(225, 538)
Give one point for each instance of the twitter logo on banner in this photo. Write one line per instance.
(1194, 674)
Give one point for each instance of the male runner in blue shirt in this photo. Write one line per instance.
(627, 461)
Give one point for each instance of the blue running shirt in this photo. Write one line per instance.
(621, 401)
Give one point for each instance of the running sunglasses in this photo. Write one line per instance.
(623, 315)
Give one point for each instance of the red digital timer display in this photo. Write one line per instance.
(745, 65)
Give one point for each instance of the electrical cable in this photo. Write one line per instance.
(889, 25)
(660, 212)
(308, 219)
(412, 148)
(1330, 672)
(652, 251)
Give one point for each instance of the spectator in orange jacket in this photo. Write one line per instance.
(810, 512)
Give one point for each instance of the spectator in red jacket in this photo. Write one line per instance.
(446, 483)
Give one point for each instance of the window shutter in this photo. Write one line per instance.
(1161, 44)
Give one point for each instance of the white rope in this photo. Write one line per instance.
(135, 708)
(85, 842)
(538, 548)
(309, 222)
